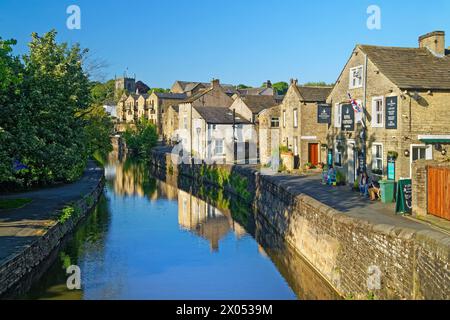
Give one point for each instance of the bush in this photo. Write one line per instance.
(141, 139)
(340, 178)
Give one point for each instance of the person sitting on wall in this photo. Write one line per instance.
(364, 184)
(374, 191)
(331, 176)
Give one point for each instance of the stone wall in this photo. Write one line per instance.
(347, 252)
(22, 265)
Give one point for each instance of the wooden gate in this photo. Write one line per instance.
(439, 192)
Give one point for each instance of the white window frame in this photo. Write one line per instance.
(374, 158)
(275, 120)
(185, 122)
(352, 77)
(337, 115)
(216, 145)
(375, 123)
(295, 115)
(428, 154)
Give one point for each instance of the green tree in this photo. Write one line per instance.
(318, 84)
(103, 92)
(141, 139)
(243, 86)
(159, 90)
(281, 87)
(11, 111)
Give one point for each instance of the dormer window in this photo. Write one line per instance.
(356, 77)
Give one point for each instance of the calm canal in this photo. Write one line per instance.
(149, 239)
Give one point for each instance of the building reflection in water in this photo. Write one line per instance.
(204, 220)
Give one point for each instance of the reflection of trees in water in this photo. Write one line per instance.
(89, 238)
(130, 177)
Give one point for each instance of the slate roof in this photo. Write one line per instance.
(198, 95)
(190, 85)
(172, 96)
(219, 115)
(258, 103)
(314, 94)
(411, 68)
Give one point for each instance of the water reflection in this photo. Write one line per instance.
(173, 239)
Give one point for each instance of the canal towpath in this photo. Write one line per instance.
(19, 228)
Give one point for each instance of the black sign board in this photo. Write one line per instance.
(324, 113)
(404, 196)
(348, 118)
(391, 112)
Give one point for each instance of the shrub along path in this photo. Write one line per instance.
(20, 227)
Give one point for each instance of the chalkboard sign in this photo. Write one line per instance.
(391, 112)
(324, 113)
(404, 196)
(391, 168)
(348, 118)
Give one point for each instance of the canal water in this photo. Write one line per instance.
(153, 239)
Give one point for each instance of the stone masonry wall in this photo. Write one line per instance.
(348, 252)
(23, 264)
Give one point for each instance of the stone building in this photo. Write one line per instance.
(191, 88)
(265, 90)
(206, 125)
(269, 134)
(404, 94)
(158, 102)
(141, 107)
(170, 124)
(130, 108)
(300, 130)
(126, 84)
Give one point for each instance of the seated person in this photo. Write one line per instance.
(331, 176)
(374, 191)
(364, 184)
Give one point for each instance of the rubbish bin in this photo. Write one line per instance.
(387, 191)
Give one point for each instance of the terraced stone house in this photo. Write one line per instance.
(406, 94)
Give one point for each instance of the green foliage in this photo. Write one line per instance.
(318, 84)
(48, 119)
(284, 149)
(340, 178)
(14, 203)
(281, 87)
(69, 212)
(142, 139)
(103, 92)
(243, 86)
(159, 90)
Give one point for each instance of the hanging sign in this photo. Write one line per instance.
(391, 112)
(348, 118)
(324, 113)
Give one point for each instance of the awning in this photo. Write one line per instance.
(435, 139)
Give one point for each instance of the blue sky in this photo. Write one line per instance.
(237, 41)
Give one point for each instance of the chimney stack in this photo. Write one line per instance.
(434, 41)
(294, 82)
(215, 83)
(268, 84)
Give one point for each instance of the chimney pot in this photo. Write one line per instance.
(268, 84)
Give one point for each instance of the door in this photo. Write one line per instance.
(439, 192)
(313, 153)
(296, 154)
(351, 156)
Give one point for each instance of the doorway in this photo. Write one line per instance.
(313, 153)
(351, 156)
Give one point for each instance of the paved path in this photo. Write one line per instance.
(20, 227)
(347, 201)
